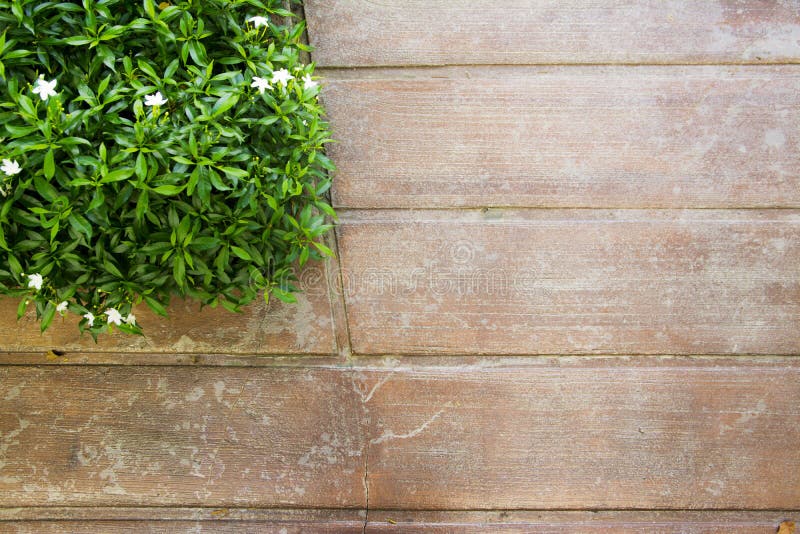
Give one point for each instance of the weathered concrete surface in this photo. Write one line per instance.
(366, 33)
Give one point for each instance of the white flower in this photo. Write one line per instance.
(282, 77)
(155, 100)
(44, 88)
(113, 316)
(62, 306)
(130, 319)
(258, 21)
(308, 83)
(261, 84)
(35, 281)
(89, 318)
(10, 167)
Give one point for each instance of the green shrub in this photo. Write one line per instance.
(151, 150)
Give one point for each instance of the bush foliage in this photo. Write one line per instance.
(151, 150)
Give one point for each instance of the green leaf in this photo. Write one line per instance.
(72, 141)
(150, 9)
(266, 121)
(49, 164)
(98, 198)
(147, 69)
(26, 105)
(44, 188)
(13, 263)
(47, 316)
(169, 190)
(224, 104)
(282, 295)
(20, 131)
(78, 40)
(103, 85)
(236, 173)
(230, 306)
(242, 253)
(22, 307)
(327, 209)
(141, 166)
(198, 53)
(117, 175)
(155, 248)
(179, 271)
(111, 268)
(182, 160)
(112, 33)
(81, 225)
(171, 69)
(194, 178)
(217, 182)
(155, 305)
(142, 205)
(325, 250)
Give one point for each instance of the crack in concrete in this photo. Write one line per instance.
(367, 396)
(366, 489)
(389, 434)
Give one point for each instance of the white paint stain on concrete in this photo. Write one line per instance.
(774, 138)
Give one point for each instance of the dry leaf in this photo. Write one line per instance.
(787, 527)
(53, 356)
